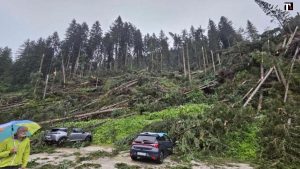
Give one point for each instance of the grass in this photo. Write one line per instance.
(117, 129)
(126, 166)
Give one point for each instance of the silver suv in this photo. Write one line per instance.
(61, 135)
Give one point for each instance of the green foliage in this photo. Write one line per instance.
(243, 144)
(82, 124)
(118, 129)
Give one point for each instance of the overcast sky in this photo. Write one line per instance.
(31, 19)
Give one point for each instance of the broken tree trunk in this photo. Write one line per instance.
(80, 116)
(183, 61)
(45, 90)
(281, 75)
(188, 62)
(40, 70)
(77, 61)
(290, 72)
(213, 62)
(290, 40)
(246, 95)
(204, 62)
(261, 92)
(258, 86)
(209, 84)
(63, 71)
(277, 75)
(219, 60)
(161, 61)
(206, 57)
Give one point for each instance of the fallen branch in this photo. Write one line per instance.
(125, 85)
(11, 106)
(258, 86)
(290, 40)
(209, 84)
(291, 70)
(80, 116)
(281, 76)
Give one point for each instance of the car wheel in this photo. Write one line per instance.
(160, 159)
(61, 141)
(88, 139)
(48, 143)
(133, 158)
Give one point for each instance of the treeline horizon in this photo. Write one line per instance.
(90, 51)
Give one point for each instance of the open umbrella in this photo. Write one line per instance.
(9, 129)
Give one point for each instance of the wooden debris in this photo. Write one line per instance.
(290, 72)
(290, 40)
(213, 62)
(45, 89)
(258, 86)
(80, 116)
(209, 84)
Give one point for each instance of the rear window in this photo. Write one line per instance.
(145, 139)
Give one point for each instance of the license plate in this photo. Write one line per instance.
(141, 154)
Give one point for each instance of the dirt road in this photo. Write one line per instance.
(101, 157)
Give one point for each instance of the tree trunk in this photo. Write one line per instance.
(126, 56)
(41, 63)
(161, 61)
(183, 61)
(213, 62)
(63, 71)
(97, 82)
(258, 86)
(206, 57)
(152, 61)
(261, 92)
(54, 77)
(40, 71)
(188, 60)
(290, 72)
(204, 62)
(68, 62)
(45, 90)
(178, 58)
(77, 62)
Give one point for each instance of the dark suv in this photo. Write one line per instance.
(150, 145)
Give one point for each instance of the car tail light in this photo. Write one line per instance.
(155, 145)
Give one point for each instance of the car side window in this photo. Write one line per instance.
(77, 130)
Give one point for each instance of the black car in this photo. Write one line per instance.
(151, 145)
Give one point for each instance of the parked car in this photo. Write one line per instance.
(155, 146)
(61, 135)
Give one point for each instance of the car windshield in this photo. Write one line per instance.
(146, 139)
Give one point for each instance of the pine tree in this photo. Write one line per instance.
(138, 47)
(252, 32)
(283, 17)
(227, 33)
(5, 64)
(213, 36)
(95, 48)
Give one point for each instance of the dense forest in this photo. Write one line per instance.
(245, 84)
